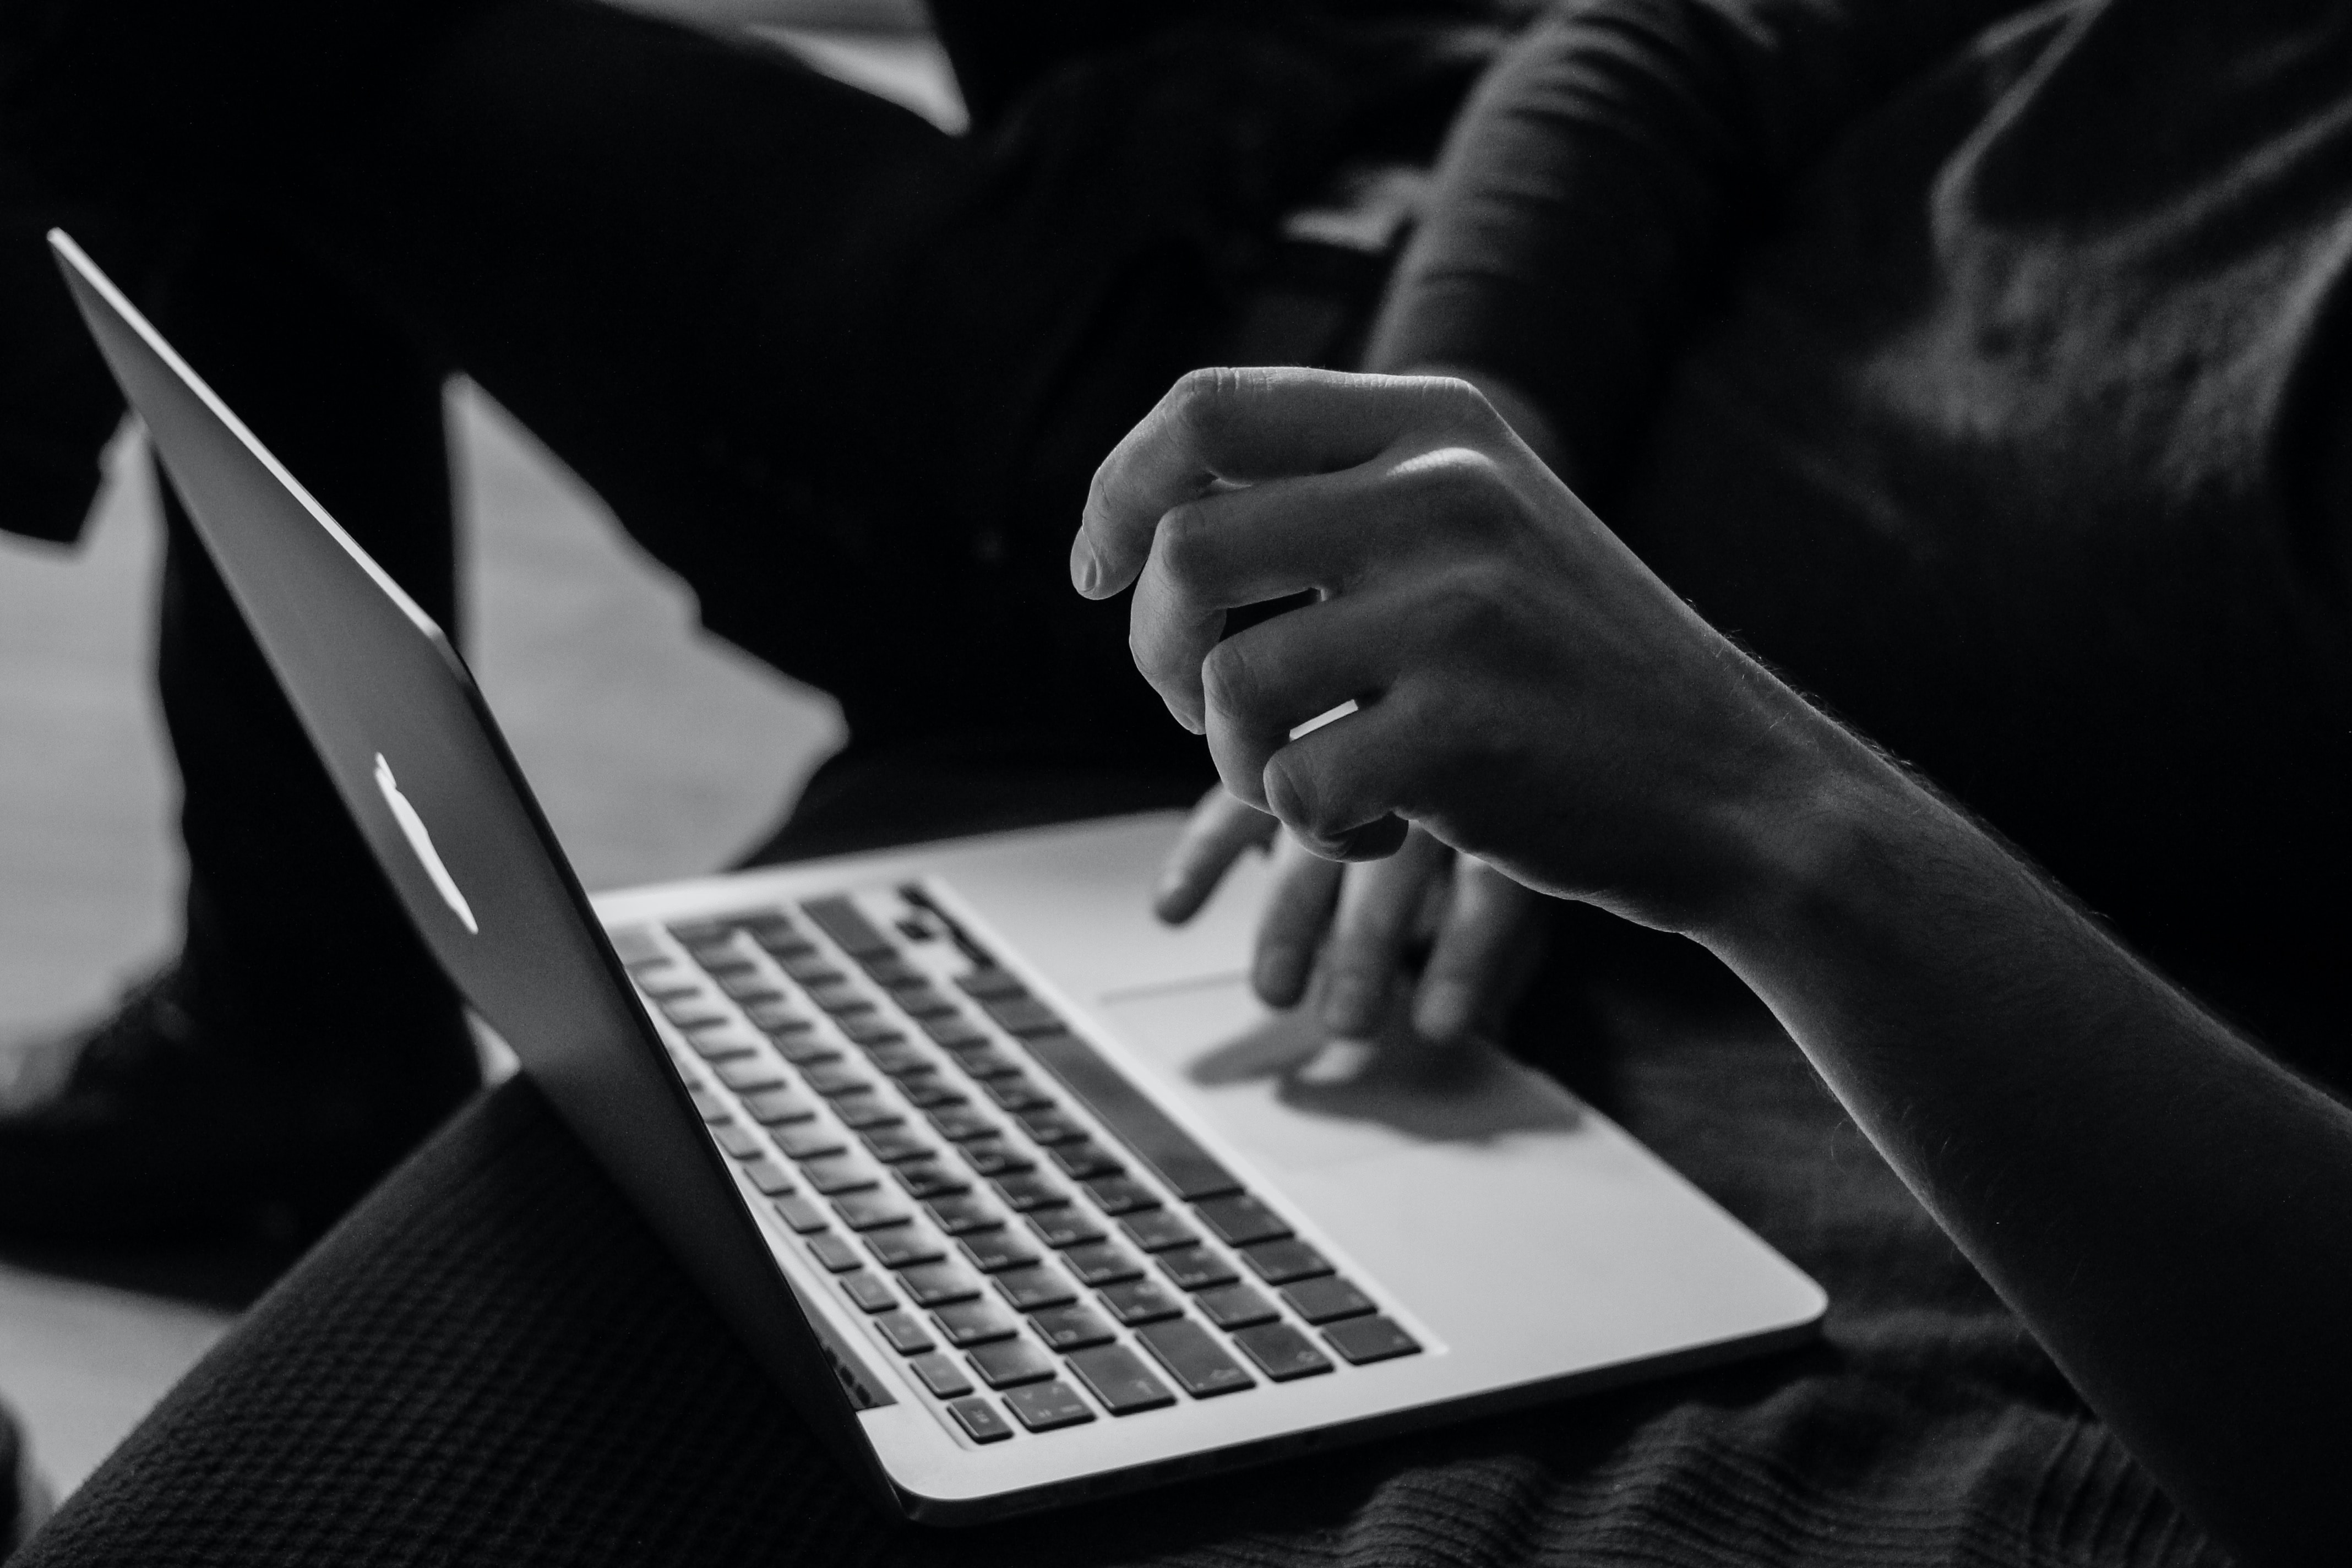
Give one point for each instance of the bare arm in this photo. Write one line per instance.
(2160, 1203)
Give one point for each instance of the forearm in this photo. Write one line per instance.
(1606, 170)
(2162, 1204)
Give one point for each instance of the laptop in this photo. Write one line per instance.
(1019, 1196)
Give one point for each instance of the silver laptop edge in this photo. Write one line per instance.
(585, 1039)
(419, 762)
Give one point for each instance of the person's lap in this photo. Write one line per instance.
(493, 1361)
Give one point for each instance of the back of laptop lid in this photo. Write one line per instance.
(403, 732)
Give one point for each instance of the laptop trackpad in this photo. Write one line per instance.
(1275, 1084)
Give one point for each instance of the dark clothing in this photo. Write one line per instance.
(1963, 366)
(1980, 390)
(848, 376)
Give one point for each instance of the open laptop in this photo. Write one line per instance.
(1019, 1195)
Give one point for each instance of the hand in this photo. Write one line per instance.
(1355, 927)
(1528, 691)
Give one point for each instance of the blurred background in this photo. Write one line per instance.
(656, 752)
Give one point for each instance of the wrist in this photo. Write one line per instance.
(1810, 843)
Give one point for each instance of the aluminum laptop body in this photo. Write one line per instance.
(965, 1117)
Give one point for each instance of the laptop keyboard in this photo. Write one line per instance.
(913, 1112)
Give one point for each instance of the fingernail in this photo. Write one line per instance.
(1349, 1005)
(1085, 571)
(1279, 976)
(1339, 1061)
(1443, 1010)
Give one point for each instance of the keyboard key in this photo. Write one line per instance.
(1281, 1352)
(835, 1253)
(961, 1123)
(806, 1140)
(769, 1176)
(1195, 1359)
(1046, 1124)
(1326, 1299)
(1065, 1225)
(811, 968)
(979, 1421)
(1195, 1269)
(929, 1091)
(1084, 1159)
(749, 1073)
(773, 1107)
(991, 983)
(859, 1111)
(775, 932)
(999, 1249)
(830, 1078)
(891, 971)
(995, 1157)
(1045, 1406)
(930, 1179)
(895, 1145)
(709, 1103)
(694, 1012)
(1071, 1328)
(961, 1215)
(1232, 1307)
(723, 1044)
(1239, 1219)
(942, 1376)
(1280, 1262)
(870, 1211)
(804, 1048)
(1147, 1132)
(1023, 1016)
(803, 1214)
(839, 998)
(1140, 1301)
(897, 1058)
(750, 985)
(966, 1323)
(906, 1246)
(868, 1030)
(1102, 1263)
(937, 1284)
(1024, 1192)
(1156, 1230)
(1008, 1364)
(984, 1061)
(904, 1333)
(920, 999)
(1014, 1091)
(1118, 1378)
(870, 1291)
(850, 929)
(952, 1029)
(777, 1017)
(1366, 1340)
(738, 1141)
(1039, 1286)
(833, 1174)
(1121, 1194)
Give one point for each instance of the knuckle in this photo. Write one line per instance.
(1202, 400)
(1187, 545)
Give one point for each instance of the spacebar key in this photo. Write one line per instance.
(1142, 1126)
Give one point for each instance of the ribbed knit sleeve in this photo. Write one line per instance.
(1608, 168)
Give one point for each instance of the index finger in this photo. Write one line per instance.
(1244, 425)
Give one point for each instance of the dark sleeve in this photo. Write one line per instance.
(1605, 171)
